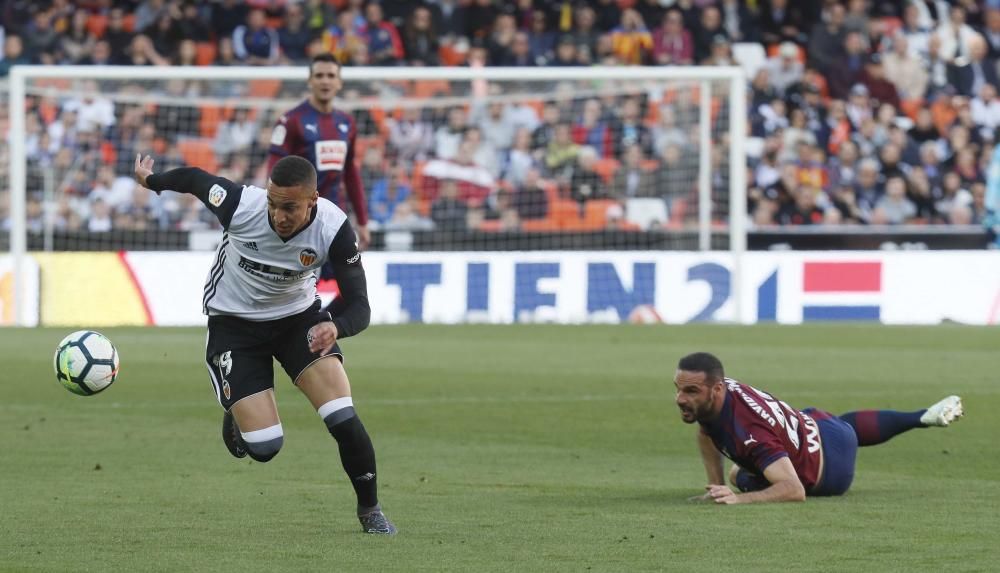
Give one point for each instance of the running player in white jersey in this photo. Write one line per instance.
(261, 302)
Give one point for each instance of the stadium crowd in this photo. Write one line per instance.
(861, 112)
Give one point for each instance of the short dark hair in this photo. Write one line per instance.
(703, 362)
(292, 171)
(323, 57)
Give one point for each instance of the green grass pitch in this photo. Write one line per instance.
(519, 448)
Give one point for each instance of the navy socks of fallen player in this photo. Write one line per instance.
(876, 426)
(356, 451)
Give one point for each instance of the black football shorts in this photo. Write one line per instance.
(239, 353)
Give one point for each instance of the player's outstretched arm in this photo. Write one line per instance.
(785, 486)
(219, 194)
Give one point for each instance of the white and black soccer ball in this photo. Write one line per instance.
(86, 362)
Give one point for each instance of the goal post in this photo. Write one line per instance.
(718, 129)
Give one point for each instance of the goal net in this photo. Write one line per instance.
(515, 160)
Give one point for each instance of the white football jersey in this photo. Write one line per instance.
(257, 275)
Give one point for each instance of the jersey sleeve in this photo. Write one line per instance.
(352, 180)
(350, 311)
(283, 138)
(219, 194)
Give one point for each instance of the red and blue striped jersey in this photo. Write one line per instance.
(756, 429)
(327, 141)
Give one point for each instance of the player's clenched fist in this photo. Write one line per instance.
(322, 337)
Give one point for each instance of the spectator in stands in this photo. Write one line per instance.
(969, 74)
(991, 31)
(519, 54)
(13, 54)
(586, 183)
(629, 129)
(804, 210)
(985, 109)
(542, 40)
(142, 53)
(501, 39)
(191, 24)
(448, 212)
(165, 34)
(94, 112)
(519, 159)
(99, 220)
(845, 71)
(224, 53)
(879, 88)
(385, 48)
(721, 53)
(411, 137)
(631, 41)
(780, 21)
(710, 26)
(953, 195)
(147, 13)
(498, 207)
(294, 36)
(41, 40)
(955, 34)
(227, 15)
(561, 153)
(667, 131)
(530, 197)
(254, 43)
(187, 53)
(176, 117)
(585, 33)
(842, 168)
(828, 39)
(739, 21)
(482, 152)
(633, 179)
(118, 38)
(867, 187)
(77, 42)
(904, 70)
(672, 44)
(566, 54)
(591, 129)
(235, 133)
(449, 19)
(385, 194)
(784, 69)
(894, 208)
(448, 137)
(420, 38)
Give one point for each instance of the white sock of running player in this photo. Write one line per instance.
(356, 452)
(264, 444)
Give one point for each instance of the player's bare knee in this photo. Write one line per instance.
(263, 445)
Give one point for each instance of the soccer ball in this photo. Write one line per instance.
(86, 362)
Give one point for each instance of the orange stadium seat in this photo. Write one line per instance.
(198, 153)
(211, 115)
(264, 89)
(595, 213)
(565, 213)
(205, 53)
(96, 24)
(606, 168)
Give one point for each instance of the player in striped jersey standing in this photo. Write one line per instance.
(325, 136)
(261, 302)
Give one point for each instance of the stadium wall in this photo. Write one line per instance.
(165, 289)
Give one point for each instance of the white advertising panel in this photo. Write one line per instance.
(611, 287)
